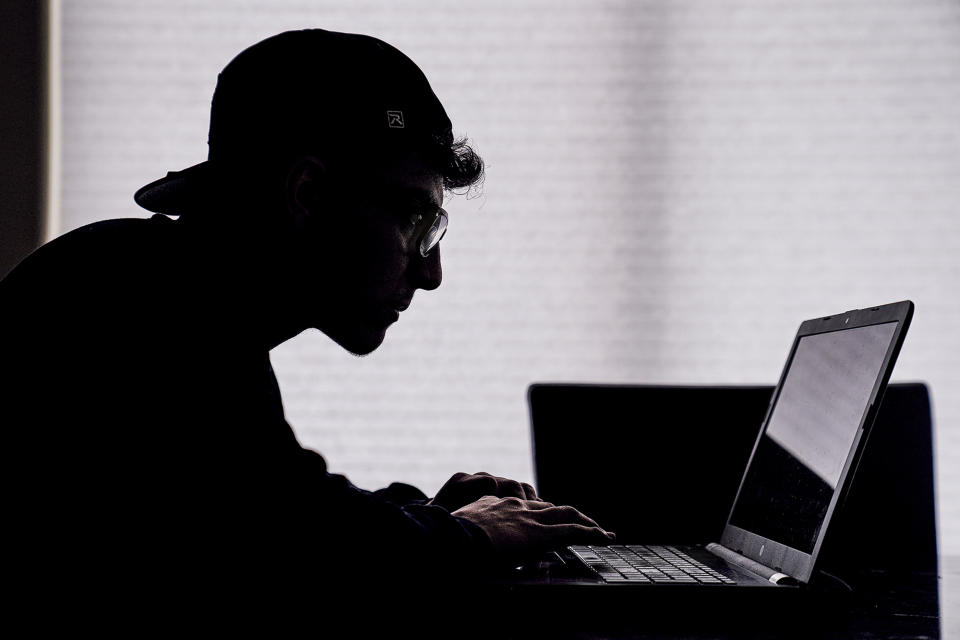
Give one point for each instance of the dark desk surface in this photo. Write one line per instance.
(891, 606)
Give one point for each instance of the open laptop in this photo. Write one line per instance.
(799, 471)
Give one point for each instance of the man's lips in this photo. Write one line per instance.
(393, 310)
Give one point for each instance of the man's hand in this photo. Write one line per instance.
(463, 488)
(522, 529)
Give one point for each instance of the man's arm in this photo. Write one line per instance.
(497, 530)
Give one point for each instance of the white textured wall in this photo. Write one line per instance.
(672, 187)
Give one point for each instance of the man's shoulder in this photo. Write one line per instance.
(99, 278)
(109, 249)
(105, 237)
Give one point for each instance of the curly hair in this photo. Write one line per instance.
(460, 166)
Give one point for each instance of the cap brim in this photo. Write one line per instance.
(174, 193)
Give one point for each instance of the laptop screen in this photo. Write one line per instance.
(800, 458)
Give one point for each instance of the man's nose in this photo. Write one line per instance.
(427, 271)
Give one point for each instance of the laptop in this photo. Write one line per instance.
(799, 471)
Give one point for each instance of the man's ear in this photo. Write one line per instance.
(305, 188)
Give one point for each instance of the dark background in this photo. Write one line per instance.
(22, 131)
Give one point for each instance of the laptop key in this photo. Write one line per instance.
(637, 577)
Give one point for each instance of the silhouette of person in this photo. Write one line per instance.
(142, 409)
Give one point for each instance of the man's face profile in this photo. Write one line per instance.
(359, 260)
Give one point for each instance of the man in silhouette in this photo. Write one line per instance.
(141, 408)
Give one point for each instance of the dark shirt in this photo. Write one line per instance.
(148, 441)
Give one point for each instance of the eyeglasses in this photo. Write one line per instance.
(429, 230)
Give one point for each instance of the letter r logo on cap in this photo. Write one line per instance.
(395, 119)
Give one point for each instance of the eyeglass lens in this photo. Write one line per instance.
(432, 235)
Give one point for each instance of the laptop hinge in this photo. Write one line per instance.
(750, 565)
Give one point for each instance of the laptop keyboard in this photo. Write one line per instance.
(650, 563)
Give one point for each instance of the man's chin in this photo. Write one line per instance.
(360, 344)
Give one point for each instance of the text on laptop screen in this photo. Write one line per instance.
(801, 455)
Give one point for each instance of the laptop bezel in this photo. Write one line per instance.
(776, 555)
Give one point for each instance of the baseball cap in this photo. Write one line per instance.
(301, 90)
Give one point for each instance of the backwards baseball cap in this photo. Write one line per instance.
(302, 90)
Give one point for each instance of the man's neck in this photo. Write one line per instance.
(245, 282)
